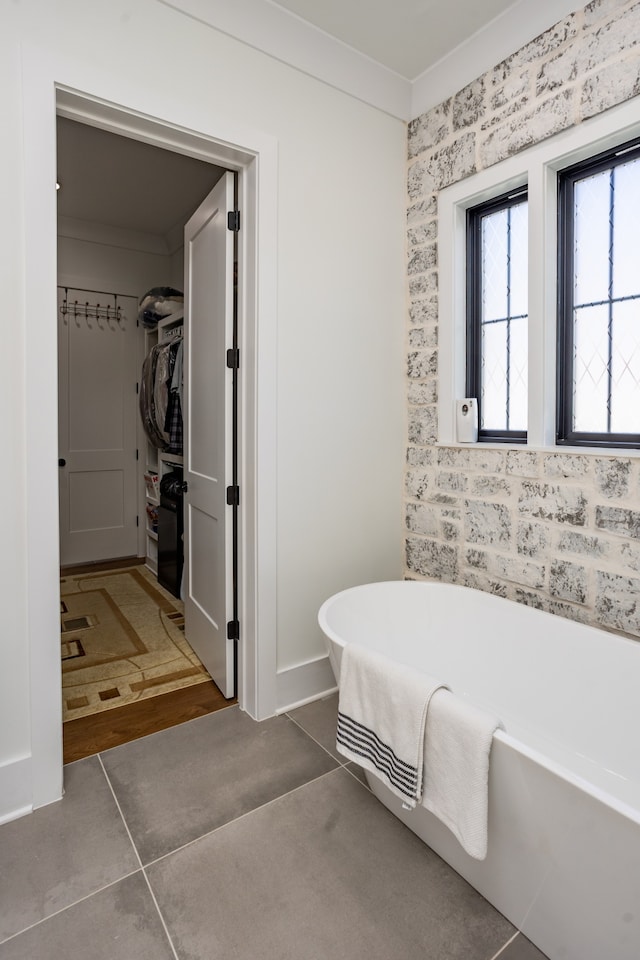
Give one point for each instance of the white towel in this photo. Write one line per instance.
(456, 768)
(382, 712)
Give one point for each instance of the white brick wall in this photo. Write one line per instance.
(559, 531)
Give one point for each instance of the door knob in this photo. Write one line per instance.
(62, 462)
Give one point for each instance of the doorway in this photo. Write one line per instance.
(122, 210)
(254, 155)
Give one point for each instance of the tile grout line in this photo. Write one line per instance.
(341, 761)
(160, 915)
(344, 765)
(117, 803)
(93, 893)
(505, 945)
(243, 816)
(366, 786)
(75, 903)
(344, 762)
(142, 866)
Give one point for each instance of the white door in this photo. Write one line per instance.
(97, 417)
(208, 440)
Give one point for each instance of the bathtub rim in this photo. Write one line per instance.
(532, 753)
(616, 637)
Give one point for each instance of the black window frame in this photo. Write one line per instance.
(566, 180)
(473, 380)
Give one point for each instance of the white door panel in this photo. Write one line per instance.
(209, 254)
(97, 411)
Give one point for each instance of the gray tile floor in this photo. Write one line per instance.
(225, 839)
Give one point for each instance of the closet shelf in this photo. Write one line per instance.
(170, 320)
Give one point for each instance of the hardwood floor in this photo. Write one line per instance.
(100, 565)
(110, 728)
(89, 735)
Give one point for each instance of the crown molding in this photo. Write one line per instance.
(278, 33)
(496, 41)
(286, 37)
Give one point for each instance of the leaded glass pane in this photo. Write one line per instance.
(591, 239)
(625, 367)
(519, 274)
(590, 370)
(495, 264)
(518, 388)
(626, 222)
(494, 376)
(504, 285)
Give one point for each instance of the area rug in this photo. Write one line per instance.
(122, 640)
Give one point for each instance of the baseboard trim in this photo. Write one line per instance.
(15, 789)
(303, 684)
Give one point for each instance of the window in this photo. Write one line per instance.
(577, 380)
(497, 315)
(599, 300)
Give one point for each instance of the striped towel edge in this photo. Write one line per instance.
(361, 743)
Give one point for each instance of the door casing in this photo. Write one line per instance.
(254, 156)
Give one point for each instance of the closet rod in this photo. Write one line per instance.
(173, 334)
(105, 293)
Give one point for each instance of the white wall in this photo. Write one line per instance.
(340, 289)
(94, 257)
(103, 266)
(176, 269)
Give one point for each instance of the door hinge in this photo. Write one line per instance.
(137, 521)
(233, 496)
(137, 455)
(137, 388)
(233, 220)
(233, 358)
(233, 630)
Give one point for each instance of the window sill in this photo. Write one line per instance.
(559, 449)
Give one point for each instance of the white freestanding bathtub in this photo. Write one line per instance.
(563, 862)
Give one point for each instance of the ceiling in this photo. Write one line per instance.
(408, 36)
(400, 56)
(110, 179)
(119, 182)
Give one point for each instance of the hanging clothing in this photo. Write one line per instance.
(147, 400)
(174, 425)
(176, 380)
(173, 421)
(160, 396)
(161, 387)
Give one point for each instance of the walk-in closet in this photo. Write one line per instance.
(128, 665)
